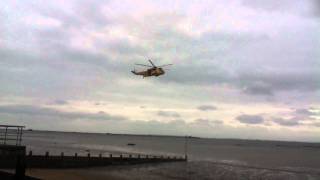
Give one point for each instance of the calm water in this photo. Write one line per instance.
(204, 154)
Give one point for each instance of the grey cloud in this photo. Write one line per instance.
(286, 122)
(316, 124)
(168, 114)
(298, 116)
(216, 122)
(122, 47)
(304, 112)
(270, 5)
(269, 82)
(30, 74)
(35, 111)
(258, 89)
(60, 102)
(207, 108)
(250, 82)
(316, 8)
(262, 78)
(208, 122)
(254, 80)
(250, 119)
(297, 7)
(81, 14)
(202, 121)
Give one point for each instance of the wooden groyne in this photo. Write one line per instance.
(76, 161)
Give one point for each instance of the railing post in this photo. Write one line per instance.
(17, 138)
(100, 155)
(62, 154)
(5, 136)
(47, 153)
(20, 135)
(120, 156)
(75, 155)
(11, 134)
(30, 153)
(110, 155)
(88, 155)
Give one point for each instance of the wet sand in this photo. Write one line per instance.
(190, 170)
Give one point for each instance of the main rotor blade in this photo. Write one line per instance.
(143, 65)
(152, 63)
(165, 65)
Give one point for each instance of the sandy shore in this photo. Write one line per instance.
(67, 174)
(190, 170)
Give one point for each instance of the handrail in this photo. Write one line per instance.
(11, 134)
(1, 125)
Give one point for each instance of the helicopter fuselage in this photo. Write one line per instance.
(155, 71)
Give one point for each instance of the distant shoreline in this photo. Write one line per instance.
(177, 136)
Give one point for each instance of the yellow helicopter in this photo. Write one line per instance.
(152, 71)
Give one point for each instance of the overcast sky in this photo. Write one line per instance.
(242, 68)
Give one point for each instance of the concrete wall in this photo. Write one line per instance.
(9, 155)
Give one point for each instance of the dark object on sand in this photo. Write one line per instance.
(10, 176)
(20, 167)
(131, 144)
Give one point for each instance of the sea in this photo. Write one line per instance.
(208, 158)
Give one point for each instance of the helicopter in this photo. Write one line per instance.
(152, 71)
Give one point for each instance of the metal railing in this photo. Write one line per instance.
(11, 135)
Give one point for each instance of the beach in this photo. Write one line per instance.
(208, 158)
(190, 170)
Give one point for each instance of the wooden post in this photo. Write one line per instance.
(186, 148)
(120, 156)
(47, 154)
(110, 155)
(88, 155)
(100, 155)
(30, 153)
(62, 154)
(75, 155)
